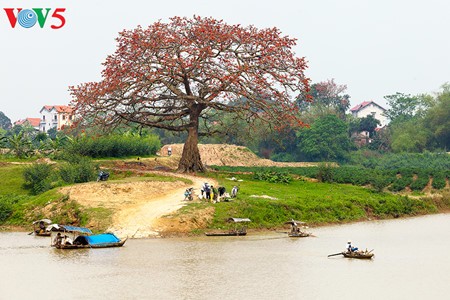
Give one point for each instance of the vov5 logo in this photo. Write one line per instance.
(27, 18)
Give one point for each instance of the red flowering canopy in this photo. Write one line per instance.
(171, 75)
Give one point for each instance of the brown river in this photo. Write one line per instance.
(412, 261)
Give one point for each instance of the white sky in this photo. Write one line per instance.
(375, 47)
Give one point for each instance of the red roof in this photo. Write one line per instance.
(58, 108)
(364, 104)
(32, 121)
(361, 105)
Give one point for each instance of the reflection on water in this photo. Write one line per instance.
(411, 255)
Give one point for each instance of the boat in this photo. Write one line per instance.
(62, 234)
(104, 240)
(229, 233)
(299, 234)
(41, 227)
(233, 232)
(358, 254)
(295, 230)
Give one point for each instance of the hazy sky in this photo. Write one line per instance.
(376, 47)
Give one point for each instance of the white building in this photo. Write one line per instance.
(55, 116)
(370, 108)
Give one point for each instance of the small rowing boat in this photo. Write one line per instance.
(358, 254)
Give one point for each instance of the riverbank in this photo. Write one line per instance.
(140, 202)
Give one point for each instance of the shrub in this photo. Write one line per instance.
(272, 176)
(5, 210)
(115, 146)
(400, 184)
(379, 181)
(78, 170)
(325, 173)
(420, 183)
(37, 178)
(438, 181)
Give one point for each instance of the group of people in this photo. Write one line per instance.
(213, 194)
(62, 240)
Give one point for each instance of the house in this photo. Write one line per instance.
(55, 116)
(34, 122)
(366, 108)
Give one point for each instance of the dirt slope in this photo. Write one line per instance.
(137, 205)
(230, 155)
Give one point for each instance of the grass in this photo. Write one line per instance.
(311, 202)
(12, 180)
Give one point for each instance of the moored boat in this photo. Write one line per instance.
(233, 232)
(41, 227)
(229, 233)
(104, 240)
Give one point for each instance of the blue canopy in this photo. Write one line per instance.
(102, 238)
(70, 228)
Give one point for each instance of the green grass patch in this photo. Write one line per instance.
(12, 180)
(311, 202)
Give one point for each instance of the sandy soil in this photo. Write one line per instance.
(138, 205)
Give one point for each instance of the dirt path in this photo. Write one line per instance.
(137, 205)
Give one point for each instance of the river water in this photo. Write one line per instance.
(412, 261)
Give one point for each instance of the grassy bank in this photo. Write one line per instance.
(269, 205)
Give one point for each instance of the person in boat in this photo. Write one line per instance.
(295, 229)
(67, 240)
(58, 239)
(41, 227)
(350, 247)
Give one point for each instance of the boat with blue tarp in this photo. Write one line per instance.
(66, 234)
(104, 240)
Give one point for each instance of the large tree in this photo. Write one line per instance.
(328, 98)
(175, 75)
(327, 139)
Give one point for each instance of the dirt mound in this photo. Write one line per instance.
(230, 155)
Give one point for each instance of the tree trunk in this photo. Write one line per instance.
(190, 159)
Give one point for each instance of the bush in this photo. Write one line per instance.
(325, 173)
(272, 176)
(37, 178)
(78, 170)
(5, 210)
(379, 181)
(400, 184)
(438, 181)
(420, 183)
(115, 146)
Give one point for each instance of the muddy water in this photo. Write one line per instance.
(412, 262)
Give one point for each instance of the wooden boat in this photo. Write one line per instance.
(234, 232)
(299, 234)
(104, 240)
(41, 227)
(230, 233)
(295, 230)
(358, 254)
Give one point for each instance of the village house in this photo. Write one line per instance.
(33, 122)
(366, 108)
(363, 110)
(55, 116)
